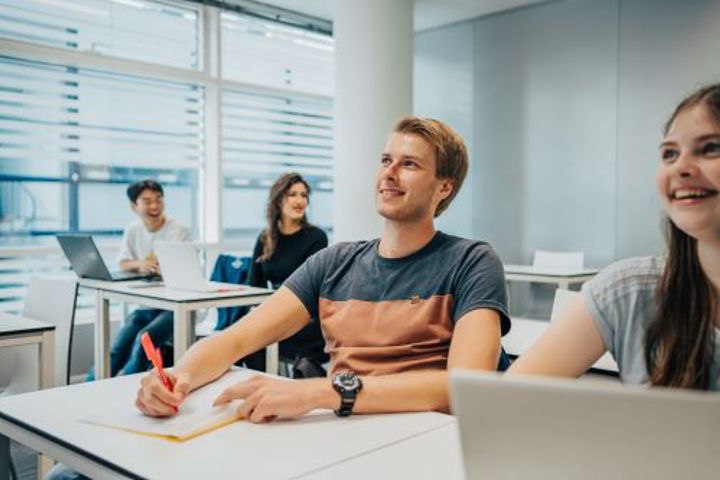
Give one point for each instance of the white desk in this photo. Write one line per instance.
(47, 421)
(16, 330)
(183, 304)
(524, 332)
(562, 277)
(428, 455)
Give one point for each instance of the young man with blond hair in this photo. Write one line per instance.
(397, 312)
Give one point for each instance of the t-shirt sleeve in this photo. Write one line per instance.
(608, 297)
(481, 284)
(622, 302)
(307, 280)
(181, 233)
(126, 249)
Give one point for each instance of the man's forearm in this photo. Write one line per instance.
(403, 392)
(277, 318)
(207, 359)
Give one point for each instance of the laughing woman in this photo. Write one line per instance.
(285, 243)
(659, 317)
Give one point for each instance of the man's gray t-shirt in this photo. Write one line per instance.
(381, 315)
(622, 301)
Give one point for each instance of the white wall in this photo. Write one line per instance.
(443, 85)
(545, 129)
(668, 49)
(568, 99)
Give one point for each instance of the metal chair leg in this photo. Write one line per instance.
(13, 472)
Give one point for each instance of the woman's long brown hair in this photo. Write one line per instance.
(679, 344)
(273, 212)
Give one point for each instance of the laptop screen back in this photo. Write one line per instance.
(180, 266)
(535, 427)
(84, 256)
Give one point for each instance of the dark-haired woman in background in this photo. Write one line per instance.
(285, 243)
(659, 317)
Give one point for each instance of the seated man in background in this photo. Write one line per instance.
(397, 312)
(137, 255)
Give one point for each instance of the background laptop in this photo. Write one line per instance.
(181, 269)
(87, 262)
(536, 427)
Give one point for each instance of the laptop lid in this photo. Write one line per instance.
(180, 266)
(84, 256)
(87, 261)
(536, 427)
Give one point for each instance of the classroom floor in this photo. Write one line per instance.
(25, 461)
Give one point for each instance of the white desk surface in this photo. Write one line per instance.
(182, 302)
(17, 330)
(47, 421)
(16, 324)
(549, 271)
(139, 288)
(524, 332)
(428, 455)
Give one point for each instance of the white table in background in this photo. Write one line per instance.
(524, 332)
(183, 304)
(16, 330)
(560, 276)
(47, 421)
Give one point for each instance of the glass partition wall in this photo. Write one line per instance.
(96, 94)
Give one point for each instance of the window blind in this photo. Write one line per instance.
(154, 32)
(265, 135)
(269, 54)
(51, 113)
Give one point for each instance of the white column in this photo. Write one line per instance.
(373, 88)
(211, 180)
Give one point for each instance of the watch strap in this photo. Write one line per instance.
(346, 406)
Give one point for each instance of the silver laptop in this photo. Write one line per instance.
(87, 262)
(180, 268)
(536, 427)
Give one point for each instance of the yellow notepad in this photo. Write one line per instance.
(196, 416)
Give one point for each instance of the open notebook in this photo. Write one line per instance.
(196, 416)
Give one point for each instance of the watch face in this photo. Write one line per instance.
(347, 381)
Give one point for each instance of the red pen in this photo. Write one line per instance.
(153, 354)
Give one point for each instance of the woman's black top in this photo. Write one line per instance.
(291, 252)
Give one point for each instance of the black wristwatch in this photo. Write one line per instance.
(348, 385)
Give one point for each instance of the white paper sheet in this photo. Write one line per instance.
(196, 416)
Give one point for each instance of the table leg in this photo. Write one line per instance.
(102, 337)
(44, 464)
(192, 322)
(4, 457)
(46, 359)
(272, 359)
(181, 335)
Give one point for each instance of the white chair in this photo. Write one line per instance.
(51, 301)
(534, 300)
(547, 259)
